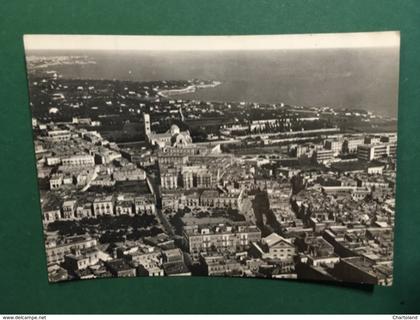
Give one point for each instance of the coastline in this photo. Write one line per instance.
(189, 89)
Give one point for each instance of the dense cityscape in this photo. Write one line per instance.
(135, 180)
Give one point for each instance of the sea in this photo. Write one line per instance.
(342, 78)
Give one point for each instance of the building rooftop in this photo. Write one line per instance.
(175, 268)
(220, 228)
(274, 238)
(118, 265)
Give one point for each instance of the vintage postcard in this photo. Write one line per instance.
(241, 156)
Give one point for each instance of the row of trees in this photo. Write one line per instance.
(103, 224)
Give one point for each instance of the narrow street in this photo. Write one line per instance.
(164, 221)
(95, 174)
(154, 188)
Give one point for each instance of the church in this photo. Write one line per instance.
(173, 137)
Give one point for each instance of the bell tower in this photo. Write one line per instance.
(146, 120)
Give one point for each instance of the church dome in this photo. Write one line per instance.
(175, 129)
(181, 139)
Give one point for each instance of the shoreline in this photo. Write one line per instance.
(189, 89)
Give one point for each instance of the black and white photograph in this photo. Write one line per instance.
(269, 156)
